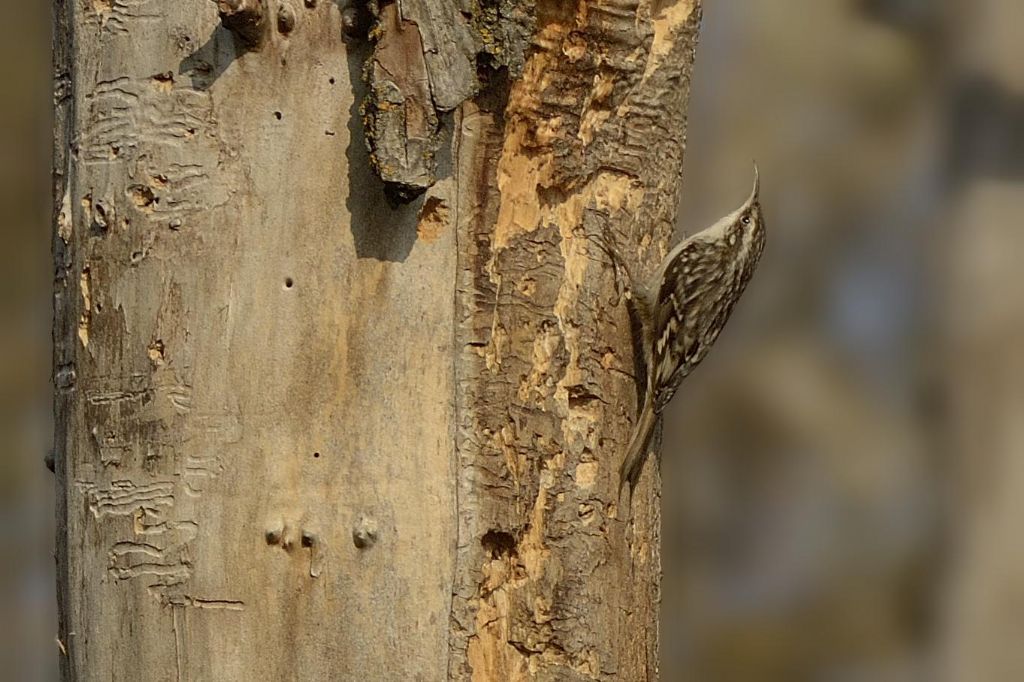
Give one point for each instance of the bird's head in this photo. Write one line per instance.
(750, 216)
(748, 221)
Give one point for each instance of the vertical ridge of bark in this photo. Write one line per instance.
(64, 375)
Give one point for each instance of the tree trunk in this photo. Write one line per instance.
(305, 433)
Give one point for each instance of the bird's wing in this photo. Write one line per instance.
(693, 285)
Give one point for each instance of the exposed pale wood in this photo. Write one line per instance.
(302, 434)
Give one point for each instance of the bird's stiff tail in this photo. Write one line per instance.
(636, 453)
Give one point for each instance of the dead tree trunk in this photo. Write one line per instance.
(306, 433)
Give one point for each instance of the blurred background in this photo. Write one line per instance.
(28, 613)
(844, 476)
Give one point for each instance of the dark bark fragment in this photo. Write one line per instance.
(426, 62)
(244, 18)
(399, 114)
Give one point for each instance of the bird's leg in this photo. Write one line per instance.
(619, 266)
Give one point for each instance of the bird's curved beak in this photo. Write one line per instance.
(757, 186)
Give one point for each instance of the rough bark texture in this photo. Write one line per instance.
(423, 66)
(550, 581)
(304, 435)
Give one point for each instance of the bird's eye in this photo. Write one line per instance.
(745, 219)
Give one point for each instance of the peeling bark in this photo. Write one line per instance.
(304, 435)
(401, 117)
(425, 63)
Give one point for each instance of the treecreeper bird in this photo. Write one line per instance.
(682, 308)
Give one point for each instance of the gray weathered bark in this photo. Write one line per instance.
(303, 433)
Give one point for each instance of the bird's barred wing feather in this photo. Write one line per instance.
(694, 288)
